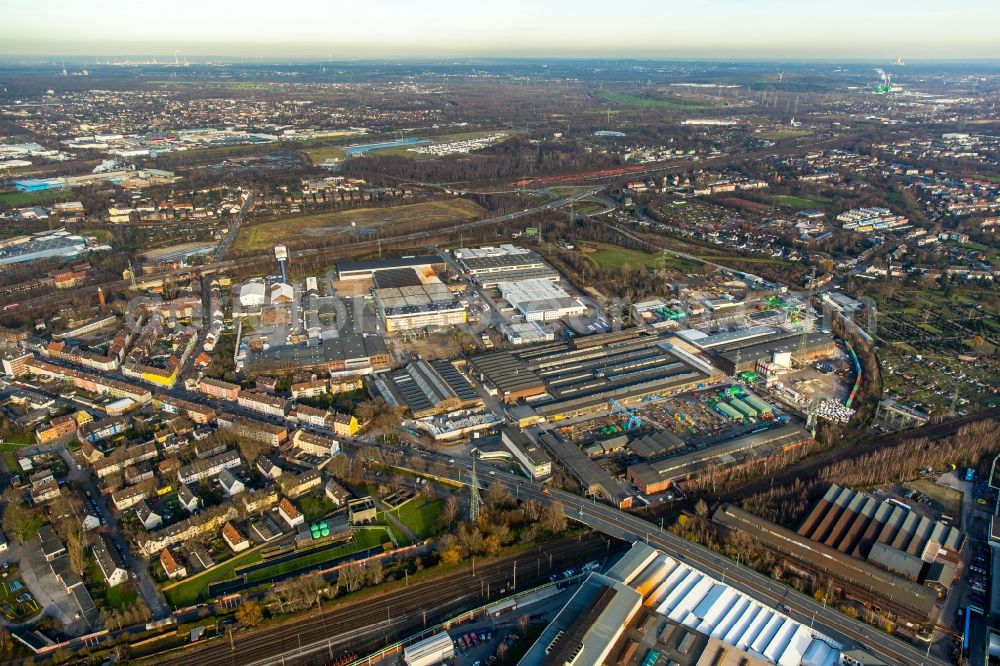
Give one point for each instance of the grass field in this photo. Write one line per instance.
(990, 178)
(421, 515)
(802, 201)
(612, 256)
(624, 99)
(778, 135)
(316, 506)
(16, 199)
(363, 539)
(191, 590)
(298, 230)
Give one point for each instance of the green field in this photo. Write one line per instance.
(990, 179)
(190, 591)
(803, 201)
(18, 199)
(625, 99)
(612, 256)
(316, 506)
(363, 539)
(297, 231)
(789, 133)
(420, 515)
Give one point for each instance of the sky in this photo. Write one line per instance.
(836, 29)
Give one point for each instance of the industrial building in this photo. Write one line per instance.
(414, 307)
(427, 389)
(564, 379)
(430, 651)
(874, 587)
(886, 535)
(650, 607)
(532, 459)
(353, 354)
(363, 270)
(681, 463)
(742, 354)
(594, 480)
(47, 245)
(490, 266)
(527, 333)
(541, 300)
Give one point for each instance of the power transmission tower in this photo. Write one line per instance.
(872, 315)
(811, 416)
(475, 501)
(806, 313)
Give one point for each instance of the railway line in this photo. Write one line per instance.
(373, 621)
(812, 466)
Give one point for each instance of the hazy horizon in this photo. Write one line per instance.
(311, 29)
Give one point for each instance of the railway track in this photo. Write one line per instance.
(368, 624)
(812, 467)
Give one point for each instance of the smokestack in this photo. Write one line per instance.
(100, 298)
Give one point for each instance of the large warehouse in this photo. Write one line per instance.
(870, 585)
(490, 266)
(886, 535)
(420, 306)
(565, 379)
(427, 389)
(650, 608)
(741, 354)
(680, 462)
(355, 354)
(541, 300)
(363, 270)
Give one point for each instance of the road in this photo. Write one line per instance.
(618, 524)
(628, 527)
(234, 228)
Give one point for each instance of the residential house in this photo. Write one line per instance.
(149, 518)
(234, 538)
(187, 499)
(336, 493)
(110, 564)
(218, 389)
(267, 468)
(345, 425)
(172, 565)
(52, 546)
(230, 484)
(296, 485)
(289, 513)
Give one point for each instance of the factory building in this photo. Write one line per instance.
(681, 463)
(364, 270)
(427, 389)
(651, 608)
(564, 379)
(353, 354)
(742, 355)
(532, 459)
(541, 300)
(415, 307)
(489, 266)
(871, 585)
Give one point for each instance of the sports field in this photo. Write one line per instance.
(301, 230)
(15, 199)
